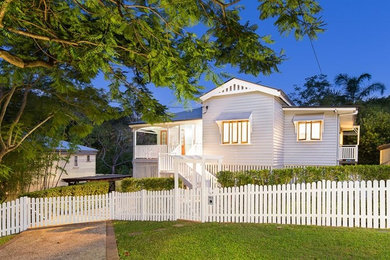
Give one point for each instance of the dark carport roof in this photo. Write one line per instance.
(105, 177)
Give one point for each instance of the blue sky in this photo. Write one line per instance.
(356, 40)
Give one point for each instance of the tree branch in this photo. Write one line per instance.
(3, 11)
(19, 115)
(18, 62)
(31, 131)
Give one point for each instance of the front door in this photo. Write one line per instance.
(163, 137)
(183, 142)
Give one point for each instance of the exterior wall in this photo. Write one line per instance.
(84, 168)
(260, 149)
(278, 135)
(145, 168)
(385, 156)
(323, 152)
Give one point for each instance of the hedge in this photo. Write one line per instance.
(137, 184)
(89, 188)
(306, 174)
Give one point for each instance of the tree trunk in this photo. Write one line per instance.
(113, 169)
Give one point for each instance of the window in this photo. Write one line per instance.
(309, 131)
(235, 132)
(76, 163)
(88, 158)
(163, 137)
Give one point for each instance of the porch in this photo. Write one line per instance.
(174, 139)
(349, 143)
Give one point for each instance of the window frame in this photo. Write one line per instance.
(311, 131)
(76, 161)
(88, 158)
(239, 132)
(162, 137)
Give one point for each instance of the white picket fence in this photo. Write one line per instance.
(348, 204)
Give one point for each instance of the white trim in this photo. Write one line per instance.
(165, 124)
(335, 109)
(237, 86)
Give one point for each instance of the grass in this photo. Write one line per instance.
(5, 239)
(186, 240)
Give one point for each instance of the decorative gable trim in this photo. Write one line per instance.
(237, 86)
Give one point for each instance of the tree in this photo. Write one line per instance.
(152, 42)
(31, 110)
(354, 92)
(317, 91)
(114, 141)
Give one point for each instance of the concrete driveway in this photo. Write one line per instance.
(78, 241)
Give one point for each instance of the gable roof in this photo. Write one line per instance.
(193, 114)
(237, 86)
(65, 146)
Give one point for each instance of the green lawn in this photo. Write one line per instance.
(185, 240)
(5, 239)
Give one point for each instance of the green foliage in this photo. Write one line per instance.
(90, 188)
(133, 184)
(317, 91)
(306, 174)
(74, 41)
(374, 121)
(114, 140)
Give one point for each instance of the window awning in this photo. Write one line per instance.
(311, 117)
(229, 116)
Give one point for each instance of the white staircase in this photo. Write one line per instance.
(189, 171)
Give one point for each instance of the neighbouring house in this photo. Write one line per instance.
(243, 125)
(384, 154)
(78, 161)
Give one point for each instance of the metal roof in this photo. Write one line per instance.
(65, 146)
(193, 114)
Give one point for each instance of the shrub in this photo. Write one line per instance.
(135, 184)
(89, 188)
(306, 174)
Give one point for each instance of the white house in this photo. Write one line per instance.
(243, 125)
(81, 162)
(384, 154)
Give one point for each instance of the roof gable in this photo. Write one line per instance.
(238, 86)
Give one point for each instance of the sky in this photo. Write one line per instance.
(356, 41)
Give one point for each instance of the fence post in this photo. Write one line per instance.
(112, 205)
(203, 195)
(143, 204)
(176, 200)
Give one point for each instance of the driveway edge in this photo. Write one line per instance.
(111, 247)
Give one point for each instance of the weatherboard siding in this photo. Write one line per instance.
(323, 152)
(260, 149)
(278, 134)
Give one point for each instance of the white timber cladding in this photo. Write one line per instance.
(278, 132)
(84, 168)
(318, 152)
(384, 156)
(259, 150)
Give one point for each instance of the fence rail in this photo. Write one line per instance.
(348, 204)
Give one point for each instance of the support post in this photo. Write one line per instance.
(219, 165)
(203, 194)
(176, 180)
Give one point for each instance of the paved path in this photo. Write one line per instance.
(78, 241)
